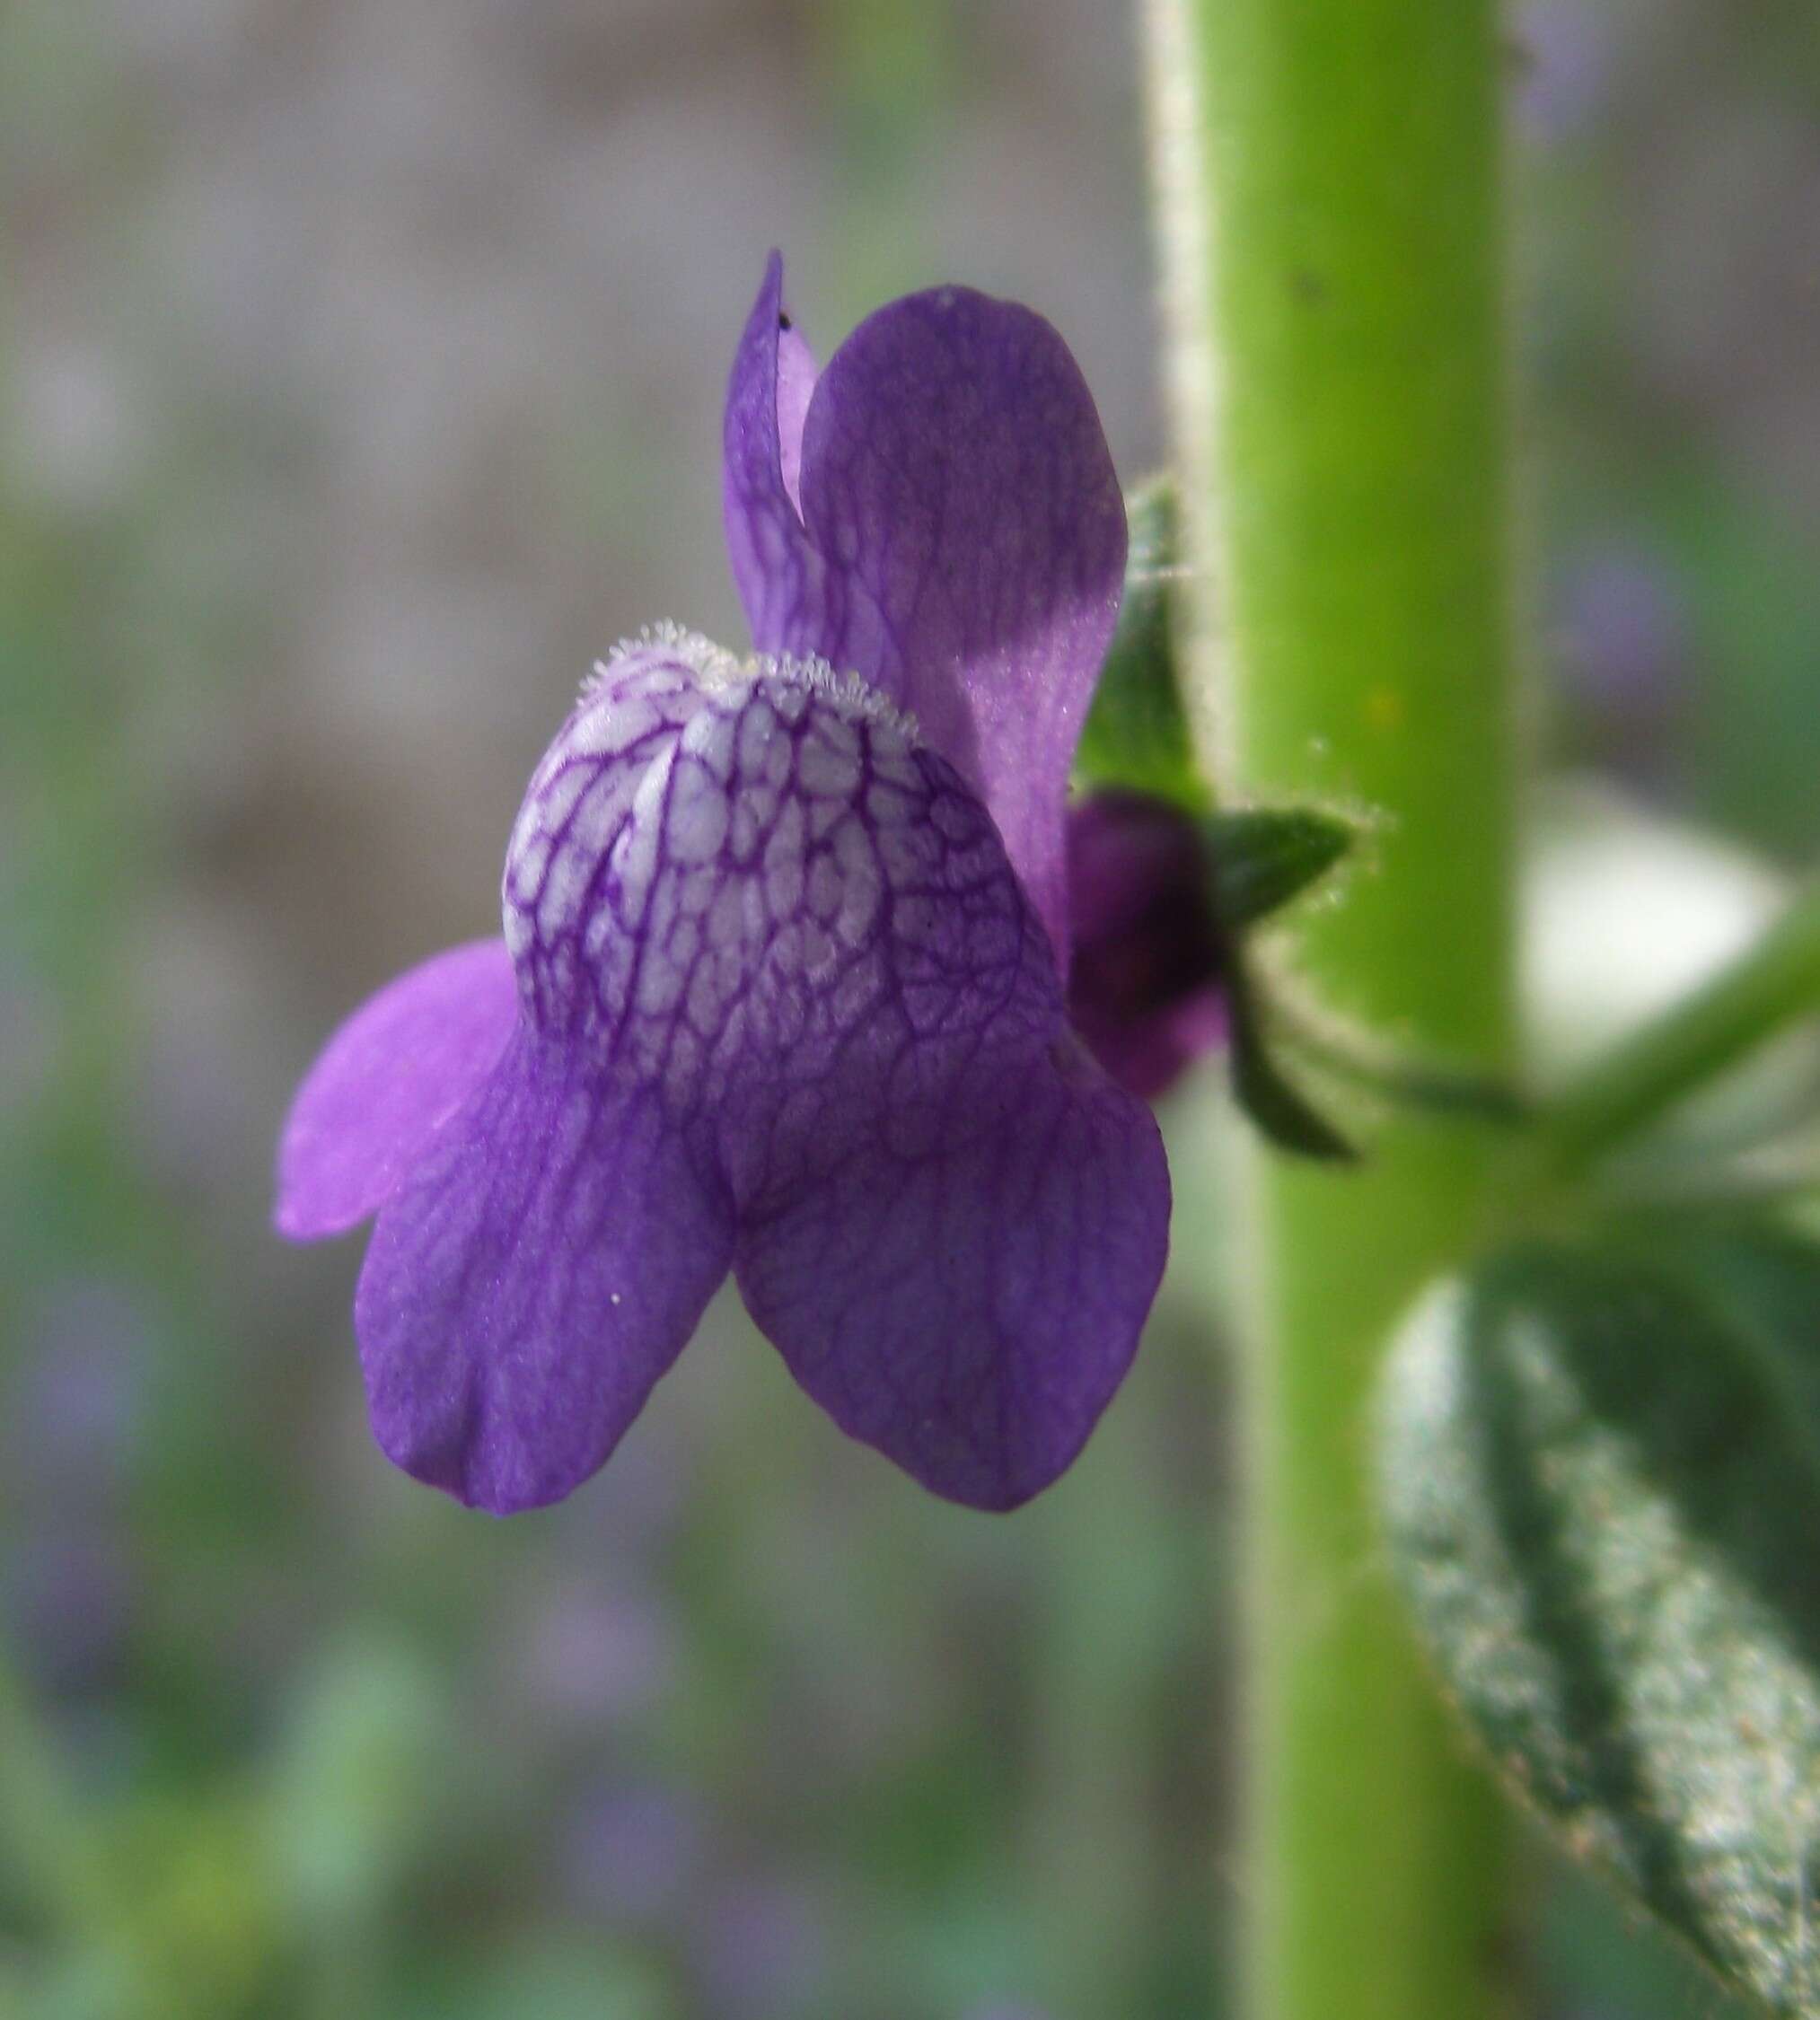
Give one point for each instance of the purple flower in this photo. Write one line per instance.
(633, 1854)
(781, 986)
(68, 1592)
(1149, 960)
(1622, 627)
(763, 1949)
(1567, 59)
(76, 1400)
(590, 1654)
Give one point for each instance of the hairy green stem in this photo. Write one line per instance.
(1346, 168)
(1769, 986)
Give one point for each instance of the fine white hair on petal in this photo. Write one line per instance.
(713, 665)
(717, 669)
(847, 691)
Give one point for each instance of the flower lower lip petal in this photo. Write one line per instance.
(547, 1263)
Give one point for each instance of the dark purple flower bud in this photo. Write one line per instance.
(780, 986)
(1144, 990)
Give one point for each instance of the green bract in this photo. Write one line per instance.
(1263, 856)
(1137, 737)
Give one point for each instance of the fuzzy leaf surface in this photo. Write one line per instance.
(1600, 1472)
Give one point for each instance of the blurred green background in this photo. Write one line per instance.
(360, 367)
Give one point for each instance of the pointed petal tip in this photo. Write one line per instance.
(291, 1223)
(479, 1495)
(768, 301)
(1006, 1497)
(971, 1310)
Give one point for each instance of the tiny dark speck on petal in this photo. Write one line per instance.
(783, 320)
(1070, 1059)
(1306, 284)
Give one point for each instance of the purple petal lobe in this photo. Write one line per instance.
(961, 543)
(386, 1081)
(546, 1263)
(1144, 990)
(956, 1259)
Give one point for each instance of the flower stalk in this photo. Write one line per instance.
(1772, 984)
(1349, 501)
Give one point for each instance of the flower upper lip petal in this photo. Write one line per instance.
(960, 542)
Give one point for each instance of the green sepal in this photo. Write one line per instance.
(1137, 738)
(1600, 1474)
(1271, 1101)
(1263, 856)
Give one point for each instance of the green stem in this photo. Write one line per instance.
(1348, 159)
(1768, 987)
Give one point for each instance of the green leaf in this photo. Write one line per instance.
(356, 1777)
(1601, 1477)
(1137, 735)
(1263, 856)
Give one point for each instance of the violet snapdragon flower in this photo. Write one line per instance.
(781, 988)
